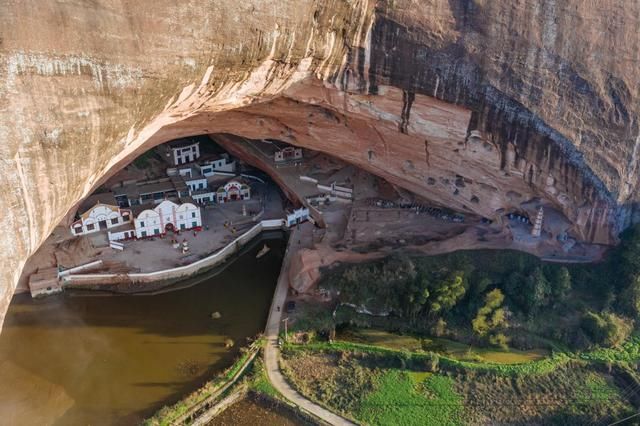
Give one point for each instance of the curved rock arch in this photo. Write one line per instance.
(91, 88)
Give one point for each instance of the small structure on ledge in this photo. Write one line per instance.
(537, 225)
(289, 153)
(297, 216)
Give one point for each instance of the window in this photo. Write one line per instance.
(194, 224)
(201, 185)
(143, 234)
(142, 223)
(193, 214)
(90, 227)
(183, 226)
(114, 221)
(156, 231)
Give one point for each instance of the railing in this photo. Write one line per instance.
(94, 264)
(179, 271)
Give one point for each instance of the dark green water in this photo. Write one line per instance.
(95, 360)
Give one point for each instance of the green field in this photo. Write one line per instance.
(408, 398)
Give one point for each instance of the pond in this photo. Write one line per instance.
(78, 359)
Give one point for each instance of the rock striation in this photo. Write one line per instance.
(481, 105)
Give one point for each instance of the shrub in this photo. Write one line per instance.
(605, 329)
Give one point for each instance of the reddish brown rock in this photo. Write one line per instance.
(456, 100)
(304, 272)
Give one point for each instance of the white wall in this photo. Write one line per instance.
(194, 184)
(181, 271)
(186, 154)
(99, 213)
(146, 223)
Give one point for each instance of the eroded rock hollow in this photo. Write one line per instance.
(477, 105)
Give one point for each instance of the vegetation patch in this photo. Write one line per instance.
(456, 350)
(574, 394)
(397, 400)
(389, 387)
(497, 298)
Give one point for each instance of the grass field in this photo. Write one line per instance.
(405, 398)
(446, 347)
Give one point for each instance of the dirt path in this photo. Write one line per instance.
(272, 352)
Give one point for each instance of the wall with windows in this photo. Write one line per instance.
(101, 216)
(167, 216)
(186, 154)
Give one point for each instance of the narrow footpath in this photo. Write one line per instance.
(300, 237)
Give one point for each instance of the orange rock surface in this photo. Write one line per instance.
(497, 101)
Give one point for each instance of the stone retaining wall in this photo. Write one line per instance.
(180, 271)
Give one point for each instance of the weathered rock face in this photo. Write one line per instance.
(477, 104)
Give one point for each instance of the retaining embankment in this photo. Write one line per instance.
(180, 272)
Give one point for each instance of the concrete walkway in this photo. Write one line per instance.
(272, 352)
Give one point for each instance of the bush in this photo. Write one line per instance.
(605, 329)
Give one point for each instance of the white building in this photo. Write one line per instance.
(232, 191)
(100, 212)
(180, 151)
(220, 164)
(167, 216)
(297, 216)
(197, 184)
(289, 153)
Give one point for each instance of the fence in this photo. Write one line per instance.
(180, 271)
(94, 264)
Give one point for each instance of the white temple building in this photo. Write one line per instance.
(234, 190)
(100, 212)
(167, 216)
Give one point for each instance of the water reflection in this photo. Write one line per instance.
(114, 360)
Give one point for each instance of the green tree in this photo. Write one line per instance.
(499, 339)
(448, 292)
(416, 296)
(536, 291)
(629, 299)
(561, 283)
(491, 315)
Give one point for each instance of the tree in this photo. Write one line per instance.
(629, 252)
(630, 298)
(499, 339)
(491, 315)
(416, 296)
(536, 290)
(448, 292)
(561, 283)
(440, 328)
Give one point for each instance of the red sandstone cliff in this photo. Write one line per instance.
(519, 99)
